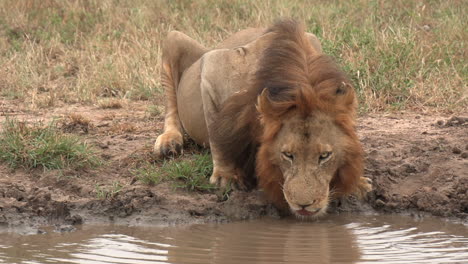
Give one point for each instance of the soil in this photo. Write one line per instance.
(418, 163)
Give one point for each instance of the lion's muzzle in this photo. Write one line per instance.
(306, 200)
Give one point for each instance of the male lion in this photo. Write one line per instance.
(273, 109)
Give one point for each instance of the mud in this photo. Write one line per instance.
(417, 162)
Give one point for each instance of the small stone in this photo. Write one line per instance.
(417, 117)
(456, 150)
(440, 122)
(379, 203)
(409, 168)
(103, 145)
(464, 155)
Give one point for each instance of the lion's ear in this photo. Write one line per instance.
(343, 88)
(273, 102)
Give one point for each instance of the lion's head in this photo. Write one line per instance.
(308, 149)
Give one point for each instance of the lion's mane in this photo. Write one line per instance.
(290, 75)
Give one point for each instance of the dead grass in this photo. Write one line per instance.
(400, 54)
(123, 128)
(112, 103)
(108, 116)
(76, 123)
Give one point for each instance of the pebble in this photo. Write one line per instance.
(440, 122)
(464, 155)
(379, 203)
(456, 150)
(103, 145)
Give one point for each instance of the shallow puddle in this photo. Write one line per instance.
(335, 239)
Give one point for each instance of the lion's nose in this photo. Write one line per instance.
(304, 205)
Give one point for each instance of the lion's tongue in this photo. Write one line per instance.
(304, 212)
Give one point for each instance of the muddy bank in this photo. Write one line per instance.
(418, 163)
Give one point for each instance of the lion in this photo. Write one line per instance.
(274, 110)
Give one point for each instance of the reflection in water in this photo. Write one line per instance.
(264, 241)
(336, 239)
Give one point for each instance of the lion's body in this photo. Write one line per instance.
(228, 78)
(239, 97)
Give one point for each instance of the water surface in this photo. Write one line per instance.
(335, 239)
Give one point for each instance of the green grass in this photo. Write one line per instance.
(43, 146)
(108, 192)
(190, 174)
(400, 54)
(154, 111)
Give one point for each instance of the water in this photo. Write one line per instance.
(336, 239)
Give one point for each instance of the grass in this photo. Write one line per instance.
(154, 111)
(108, 192)
(111, 103)
(75, 122)
(400, 54)
(190, 174)
(43, 146)
(125, 127)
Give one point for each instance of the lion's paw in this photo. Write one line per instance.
(364, 187)
(224, 179)
(168, 144)
(218, 180)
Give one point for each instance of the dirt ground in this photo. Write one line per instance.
(418, 164)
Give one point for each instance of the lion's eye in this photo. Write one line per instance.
(324, 156)
(288, 155)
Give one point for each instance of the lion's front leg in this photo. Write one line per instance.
(224, 170)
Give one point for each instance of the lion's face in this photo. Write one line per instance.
(307, 151)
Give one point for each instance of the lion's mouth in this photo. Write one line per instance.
(305, 212)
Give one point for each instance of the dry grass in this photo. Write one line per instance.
(76, 123)
(112, 103)
(123, 128)
(400, 54)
